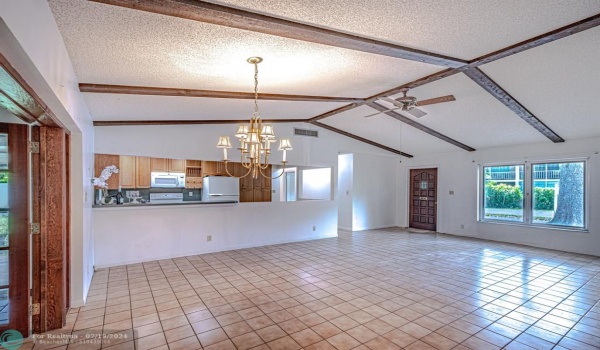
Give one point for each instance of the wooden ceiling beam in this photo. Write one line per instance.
(539, 40)
(419, 126)
(157, 91)
(335, 111)
(206, 12)
(361, 139)
(501, 95)
(189, 122)
(545, 38)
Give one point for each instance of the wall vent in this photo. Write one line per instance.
(306, 132)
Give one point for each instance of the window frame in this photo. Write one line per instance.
(528, 186)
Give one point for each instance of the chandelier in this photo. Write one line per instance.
(255, 139)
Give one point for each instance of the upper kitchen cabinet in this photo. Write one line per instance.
(211, 168)
(127, 171)
(167, 165)
(142, 172)
(177, 165)
(134, 172)
(101, 161)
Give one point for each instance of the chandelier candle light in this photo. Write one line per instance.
(255, 139)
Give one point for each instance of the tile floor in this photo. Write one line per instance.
(383, 289)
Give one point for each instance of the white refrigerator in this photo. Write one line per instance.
(220, 189)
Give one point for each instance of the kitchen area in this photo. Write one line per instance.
(181, 207)
(144, 180)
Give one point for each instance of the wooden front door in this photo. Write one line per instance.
(423, 199)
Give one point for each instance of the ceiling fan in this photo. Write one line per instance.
(409, 104)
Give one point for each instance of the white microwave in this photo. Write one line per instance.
(167, 180)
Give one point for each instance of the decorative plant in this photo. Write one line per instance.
(100, 181)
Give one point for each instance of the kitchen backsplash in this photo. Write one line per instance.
(188, 194)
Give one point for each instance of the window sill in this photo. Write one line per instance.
(544, 227)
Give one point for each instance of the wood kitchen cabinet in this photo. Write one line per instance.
(142, 172)
(176, 165)
(127, 171)
(167, 165)
(212, 168)
(255, 190)
(159, 165)
(101, 161)
(134, 172)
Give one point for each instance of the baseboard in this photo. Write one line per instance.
(209, 251)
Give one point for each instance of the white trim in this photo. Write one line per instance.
(208, 251)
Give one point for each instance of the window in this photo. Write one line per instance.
(503, 193)
(558, 190)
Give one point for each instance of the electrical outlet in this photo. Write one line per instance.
(462, 226)
(191, 194)
(209, 238)
(451, 192)
(314, 228)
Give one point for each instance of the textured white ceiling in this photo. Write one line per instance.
(134, 107)
(475, 118)
(462, 28)
(558, 82)
(389, 132)
(115, 45)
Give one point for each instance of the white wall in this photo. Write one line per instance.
(374, 180)
(199, 142)
(30, 40)
(137, 234)
(458, 172)
(344, 190)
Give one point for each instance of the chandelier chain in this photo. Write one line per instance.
(256, 88)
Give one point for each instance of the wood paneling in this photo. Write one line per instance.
(142, 172)
(506, 99)
(53, 218)
(157, 91)
(237, 18)
(18, 202)
(127, 171)
(101, 161)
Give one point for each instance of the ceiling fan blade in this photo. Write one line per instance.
(392, 101)
(435, 100)
(374, 114)
(416, 112)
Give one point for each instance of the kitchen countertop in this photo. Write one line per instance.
(128, 205)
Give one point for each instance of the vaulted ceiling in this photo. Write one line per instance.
(339, 55)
